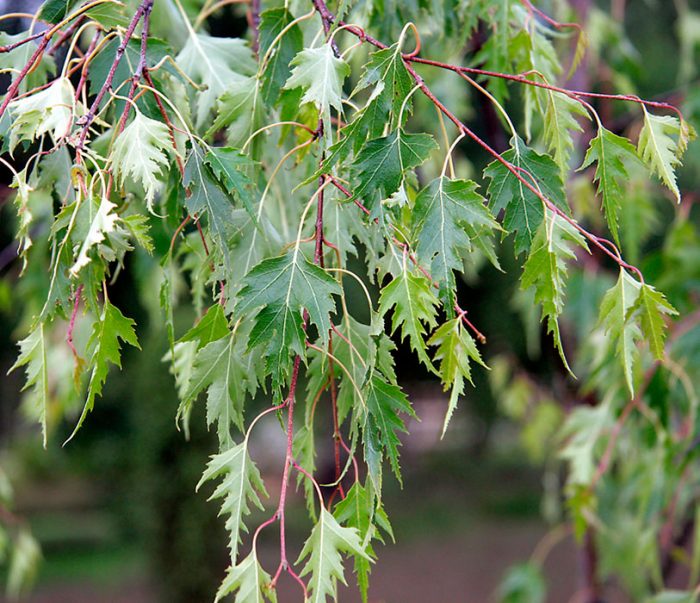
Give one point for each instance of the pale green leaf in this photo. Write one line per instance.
(652, 307)
(323, 549)
(241, 486)
(545, 270)
(49, 111)
(24, 564)
(217, 65)
(33, 355)
(559, 123)
(659, 150)
(140, 152)
(320, 73)
(220, 370)
(249, 581)
(104, 222)
(613, 155)
(455, 349)
(619, 326)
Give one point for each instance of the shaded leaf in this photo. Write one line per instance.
(104, 348)
(524, 210)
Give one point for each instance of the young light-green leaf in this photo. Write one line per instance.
(415, 306)
(545, 270)
(320, 73)
(323, 549)
(241, 486)
(615, 316)
(455, 348)
(612, 154)
(659, 150)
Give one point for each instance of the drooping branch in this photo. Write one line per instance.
(522, 175)
(143, 9)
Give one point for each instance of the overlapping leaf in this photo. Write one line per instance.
(219, 368)
(385, 402)
(387, 70)
(361, 510)
(523, 208)
(207, 198)
(615, 316)
(447, 215)
(545, 269)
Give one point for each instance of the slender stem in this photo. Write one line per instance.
(284, 563)
(34, 59)
(144, 7)
(254, 18)
(71, 324)
(11, 47)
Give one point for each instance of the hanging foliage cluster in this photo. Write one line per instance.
(259, 179)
